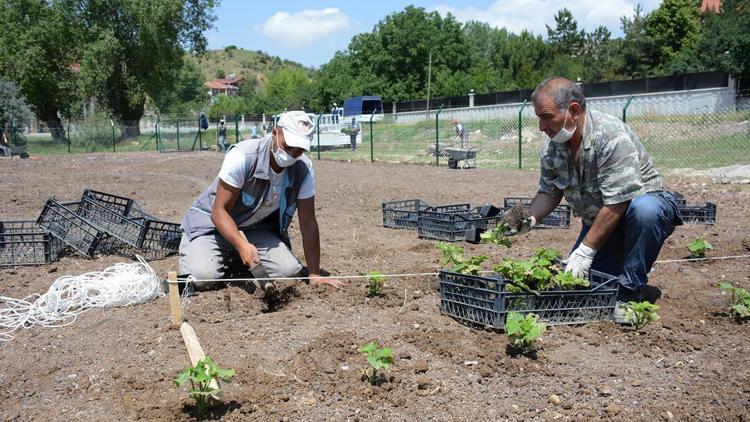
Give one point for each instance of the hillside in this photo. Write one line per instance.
(253, 66)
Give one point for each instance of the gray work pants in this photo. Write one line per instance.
(212, 257)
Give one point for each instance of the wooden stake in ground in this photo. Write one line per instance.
(174, 299)
(195, 351)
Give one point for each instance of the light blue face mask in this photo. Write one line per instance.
(283, 158)
(564, 135)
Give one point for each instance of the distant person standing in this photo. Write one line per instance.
(221, 133)
(335, 113)
(461, 133)
(353, 131)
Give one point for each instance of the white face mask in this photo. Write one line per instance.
(563, 135)
(283, 158)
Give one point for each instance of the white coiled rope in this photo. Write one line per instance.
(119, 285)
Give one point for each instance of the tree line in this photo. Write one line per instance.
(128, 56)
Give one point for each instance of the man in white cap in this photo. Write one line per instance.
(242, 218)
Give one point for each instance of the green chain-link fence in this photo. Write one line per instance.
(676, 132)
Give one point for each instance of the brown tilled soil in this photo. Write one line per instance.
(300, 362)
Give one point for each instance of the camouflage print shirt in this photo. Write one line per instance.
(614, 168)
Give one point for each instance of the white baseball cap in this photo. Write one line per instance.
(298, 129)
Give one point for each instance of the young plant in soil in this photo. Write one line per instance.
(522, 332)
(640, 314)
(698, 247)
(538, 273)
(453, 256)
(200, 377)
(740, 306)
(378, 358)
(375, 281)
(496, 236)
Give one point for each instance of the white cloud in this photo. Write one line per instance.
(533, 15)
(305, 27)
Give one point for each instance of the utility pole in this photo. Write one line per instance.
(429, 79)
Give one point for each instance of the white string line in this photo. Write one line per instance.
(192, 279)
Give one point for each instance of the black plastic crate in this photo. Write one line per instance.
(403, 214)
(112, 219)
(62, 220)
(679, 199)
(26, 243)
(159, 239)
(701, 214)
(452, 226)
(559, 218)
(120, 205)
(481, 300)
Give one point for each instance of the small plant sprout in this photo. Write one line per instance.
(200, 376)
(496, 236)
(640, 314)
(698, 247)
(522, 331)
(567, 281)
(378, 358)
(547, 254)
(740, 306)
(453, 255)
(375, 282)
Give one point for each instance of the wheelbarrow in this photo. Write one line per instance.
(461, 158)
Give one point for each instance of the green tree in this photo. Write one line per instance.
(188, 93)
(674, 25)
(565, 38)
(334, 81)
(598, 55)
(13, 107)
(393, 59)
(286, 89)
(637, 55)
(130, 50)
(37, 49)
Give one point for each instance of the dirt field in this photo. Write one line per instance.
(300, 362)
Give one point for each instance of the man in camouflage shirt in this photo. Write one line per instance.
(598, 164)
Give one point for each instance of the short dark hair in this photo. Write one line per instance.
(562, 90)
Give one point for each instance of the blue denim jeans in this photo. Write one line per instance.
(632, 249)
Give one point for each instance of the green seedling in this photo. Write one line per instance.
(567, 281)
(496, 236)
(453, 256)
(375, 281)
(740, 306)
(522, 331)
(378, 358)
(640, 314)
(698, 247)
(201, 376)
(547, 254)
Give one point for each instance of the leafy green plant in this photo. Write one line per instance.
(640, 314)
(496, 236)
(698, 247)
(453, 255)
(740, 306)
(534, 274)
(200, 376)
(547, 253)
(375, 281)
(567, 281)
(522, 331)
(378, 358)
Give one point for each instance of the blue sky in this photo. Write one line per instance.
(311, 32)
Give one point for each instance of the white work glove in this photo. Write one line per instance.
(579, 261)
(526, 225)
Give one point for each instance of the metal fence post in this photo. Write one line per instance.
(69, 138)
(437, 136)
(520, 136)
(317, 124)
(625, 110)
(178, 134)
(200, 136)
(159, 146)
(236, 128)
(113, 135)
(372, 143)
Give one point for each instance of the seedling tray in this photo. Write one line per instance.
(559, 218)
(481, 300)
(26, 243)
(62, 220)
(452, 226)
(700, 214)
(404, 214)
